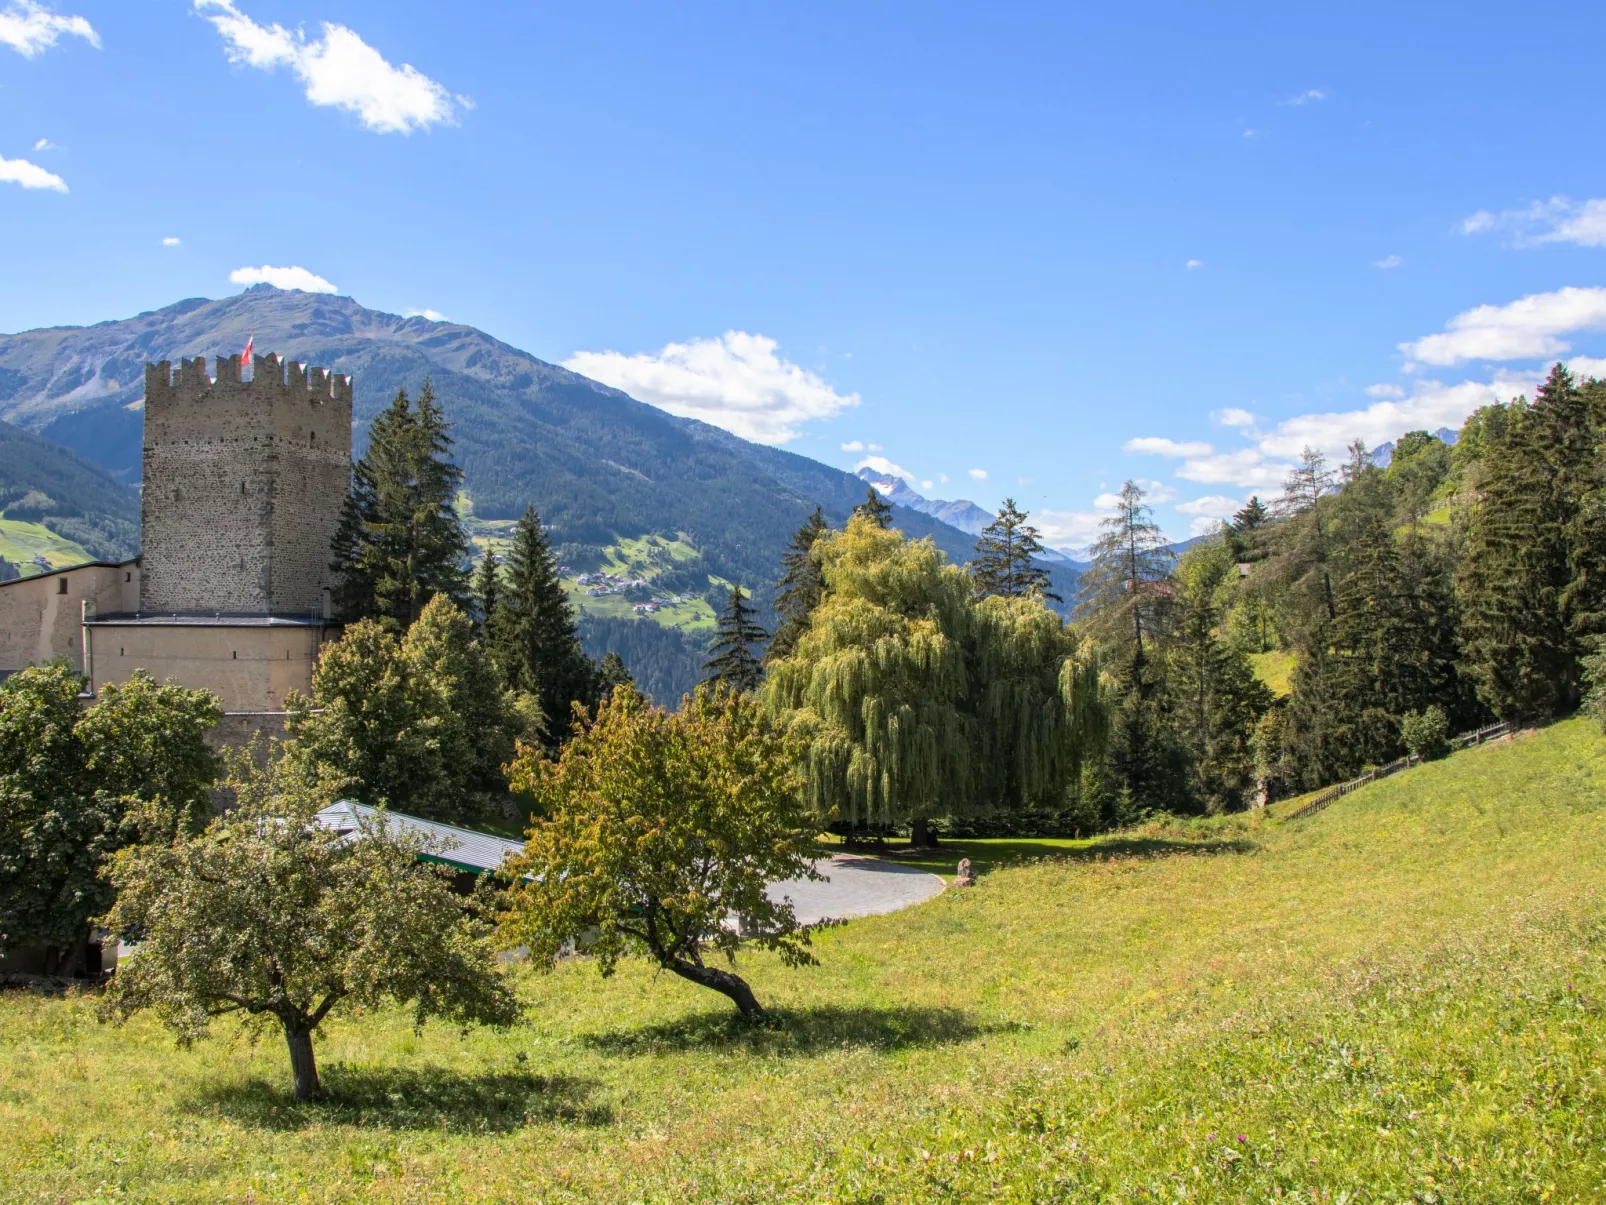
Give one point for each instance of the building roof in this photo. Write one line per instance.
(461, 848)
(210, 619)
(57, 572)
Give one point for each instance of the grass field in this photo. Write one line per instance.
(1275, 669)
(1399, 999)
(21, 541)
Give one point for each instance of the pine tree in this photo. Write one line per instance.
(732, 660)
(486, 591)
(1215, 698)
(534, 635)
(875, 508)
(1251, 517)
(400, 542)
(1003, 564)
(801, 585)
(612, 673)
(1122, 592)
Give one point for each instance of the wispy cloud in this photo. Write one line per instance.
(853, 445)
(30, 175)
(1558, 220)
(1388, 262)
(1308, 97)
(1193, 265)
(44, 144)
(30, 28)
(1529, 328)
(1233, 416)
(338, 70)
(431, 315)
(293, 277)
(977, 474)
(171, 241)
(1154, 445)
(737, 381)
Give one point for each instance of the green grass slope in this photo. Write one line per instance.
(59, 506)
(1399, 999)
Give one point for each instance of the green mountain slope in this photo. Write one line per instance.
(599, 465)
(59, 507)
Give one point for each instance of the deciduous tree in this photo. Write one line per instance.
(268, 916)
(655, 831)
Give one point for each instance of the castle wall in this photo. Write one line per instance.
(40, 621)
(250, 668)
(243, 486)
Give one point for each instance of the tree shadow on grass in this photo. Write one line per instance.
(426, 1098)
(801, 1031)
(986, 855)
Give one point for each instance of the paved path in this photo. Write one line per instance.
(858, 887)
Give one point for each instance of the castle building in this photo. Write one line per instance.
(242, 492)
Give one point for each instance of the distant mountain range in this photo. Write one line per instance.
(961, 513)
(598, 464)
(1383, 454)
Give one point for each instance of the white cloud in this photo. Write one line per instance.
(1308, 96)
(1193, 264)
(339, 70)
(1251, 133)
(171, 241)
(1558, 220)
(1525, 329)
(1203, 525)
(431, 315)
(1587, 366)
(1107, 501)
(1212, 506)
(1069, 529)
(853, 445)
(283, 278)
(29, 28)
(1388, 262)
(1233, 416)
(877, 448)
(978, 474)
(1248, 468)
(942, 478)
(1385, 390)
(926, 485)
(29, 175)
(44, 144)
(885, 467)
(1154, 445)
(735, 381)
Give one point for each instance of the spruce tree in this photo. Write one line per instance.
(1003, 563)
(612, 673)
(732, 660)
(534, 635)
(486, 590)
(400, 542)
(801, 585)
(875, 508)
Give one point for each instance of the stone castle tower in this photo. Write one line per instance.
(243, 487)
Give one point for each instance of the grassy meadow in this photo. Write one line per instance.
(1399, 999)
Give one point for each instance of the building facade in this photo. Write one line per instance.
(244, 481)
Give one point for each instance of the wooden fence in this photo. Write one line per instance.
(1332, 794)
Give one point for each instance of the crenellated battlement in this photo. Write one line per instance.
(243, 484)
(268, 373)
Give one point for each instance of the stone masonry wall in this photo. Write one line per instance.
(243, 486)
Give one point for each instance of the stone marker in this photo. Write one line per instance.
(967, 874)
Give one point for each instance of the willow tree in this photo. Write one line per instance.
(915, 701)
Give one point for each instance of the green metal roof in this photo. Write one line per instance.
(461, 848)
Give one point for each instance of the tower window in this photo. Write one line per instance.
(129, 576)
(61, 585)
(234, 656)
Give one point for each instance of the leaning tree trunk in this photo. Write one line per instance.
(298, 1037)
(723, 982)
(921, 834)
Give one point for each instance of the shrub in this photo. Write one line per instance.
(1426, 733)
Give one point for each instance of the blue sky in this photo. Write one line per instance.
(1018, 249)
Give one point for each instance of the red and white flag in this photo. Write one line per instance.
(245, 356)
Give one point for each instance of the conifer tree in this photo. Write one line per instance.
(487, 591)
(1215, 697)
(801, 585)
(1003, 563)
(1534, 577)
(875, 508)
(400, 542)
(732, 660)
(612, 673)
(1306, 541)
(1120, 593)
(534, 633)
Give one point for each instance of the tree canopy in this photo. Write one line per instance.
(267, 916)
(653, 830)
(1004, 563)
